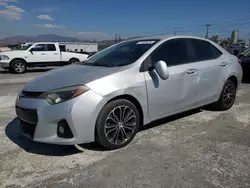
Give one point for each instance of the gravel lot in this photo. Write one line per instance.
(200, 148)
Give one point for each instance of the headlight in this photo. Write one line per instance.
(4, 57)
(63, 94)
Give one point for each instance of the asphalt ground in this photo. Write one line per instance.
(200, 148)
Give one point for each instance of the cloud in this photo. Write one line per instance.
(51, 26)
(8, 1)
(45, 17)
(3, 4)
(12, 12)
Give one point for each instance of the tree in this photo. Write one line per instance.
(215, 38)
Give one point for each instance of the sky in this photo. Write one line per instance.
(102, 19)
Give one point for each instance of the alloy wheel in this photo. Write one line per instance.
(120, 125)
(229, 95)
(19, 67)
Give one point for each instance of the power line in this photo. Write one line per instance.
(199, 27)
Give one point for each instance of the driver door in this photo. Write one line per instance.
(38, 54)
(178, 92)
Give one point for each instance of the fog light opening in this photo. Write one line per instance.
(63, 129)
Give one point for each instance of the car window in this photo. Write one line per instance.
(217, 52)
(39, 47)
(203, 50)
(51, 47)
(62, 48)
(173, 52)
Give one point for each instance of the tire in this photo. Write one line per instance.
(18, 66)
(227, 97)
(111, 133)
(74, 61)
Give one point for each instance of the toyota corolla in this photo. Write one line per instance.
(112, 94)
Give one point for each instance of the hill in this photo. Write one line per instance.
(39, 38)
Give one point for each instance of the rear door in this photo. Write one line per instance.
(212, 67)
(52, 53)
(178, 92)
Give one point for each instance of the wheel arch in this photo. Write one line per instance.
(234, 79)
(17, 59)
(133, 100)
(72, 58)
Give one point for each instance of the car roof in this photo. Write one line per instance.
(162, 37)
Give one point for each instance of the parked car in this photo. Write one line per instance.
(237, 48)
(38, 55)
(116, 91)
(245, 63)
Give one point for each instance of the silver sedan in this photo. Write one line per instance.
(112, 94)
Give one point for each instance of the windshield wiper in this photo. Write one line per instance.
(97, 64)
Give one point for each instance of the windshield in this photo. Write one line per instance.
(25, 47)
(122, 54)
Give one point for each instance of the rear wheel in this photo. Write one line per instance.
(227, 97)
(74, 61)
(117, 124)
(18, 66)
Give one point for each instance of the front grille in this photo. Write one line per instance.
(27, 129)
(27, 115)
(31, 94)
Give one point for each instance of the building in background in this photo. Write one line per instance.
(2, 49)
(234, 36)
(80, 47)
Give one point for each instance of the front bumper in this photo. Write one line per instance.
(4, 64)
(39, 120)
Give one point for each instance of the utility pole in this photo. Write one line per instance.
(207, 25)
(115, 38)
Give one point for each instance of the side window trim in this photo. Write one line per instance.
(191, 50)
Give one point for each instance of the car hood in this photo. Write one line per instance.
(13, 53)
(68, 76)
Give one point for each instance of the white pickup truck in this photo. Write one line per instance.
(38, 55)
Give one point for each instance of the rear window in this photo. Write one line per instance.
(203, 50)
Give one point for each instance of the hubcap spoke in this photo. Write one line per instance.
(113, 138)
(111, 130)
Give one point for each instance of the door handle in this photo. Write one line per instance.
(42, 53)
(55, 53)
(191, 71)
(223, 64)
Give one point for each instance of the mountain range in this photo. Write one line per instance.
(39, 38)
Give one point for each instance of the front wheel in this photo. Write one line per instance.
(18, 66)
(117, 124)
(227, 97)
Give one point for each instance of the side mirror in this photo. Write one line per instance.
(31, 50)
(162, 69)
